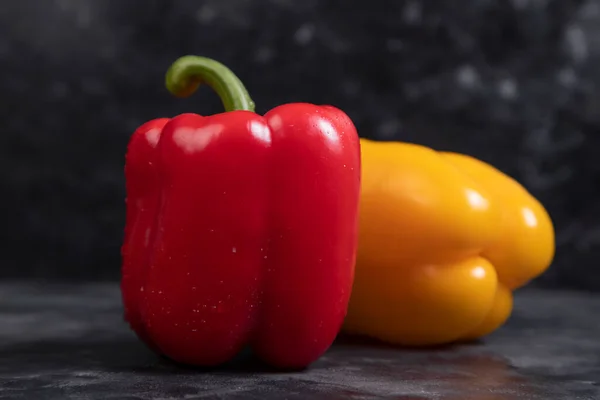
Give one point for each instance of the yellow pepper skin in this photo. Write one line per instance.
(444, 240)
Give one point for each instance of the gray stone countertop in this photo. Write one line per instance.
(70, 342)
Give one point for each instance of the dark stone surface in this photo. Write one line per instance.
(514, 82)
(69, 342)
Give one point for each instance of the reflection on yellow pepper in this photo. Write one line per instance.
(444, 240)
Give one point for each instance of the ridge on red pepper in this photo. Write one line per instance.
(241, 229)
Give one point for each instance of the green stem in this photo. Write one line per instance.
(188, 72)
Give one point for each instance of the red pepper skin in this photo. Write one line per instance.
(241, 231)
(141, 205)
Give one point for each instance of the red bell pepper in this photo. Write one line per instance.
(241, 229)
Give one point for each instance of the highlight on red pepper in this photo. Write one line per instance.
(241, 229)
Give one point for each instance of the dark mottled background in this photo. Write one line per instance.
(516, 83)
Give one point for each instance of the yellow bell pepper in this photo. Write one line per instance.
(444, 240)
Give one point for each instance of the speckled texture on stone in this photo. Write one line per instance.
(515, 83)
(69, 342)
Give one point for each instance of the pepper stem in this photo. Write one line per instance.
(188, 72)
